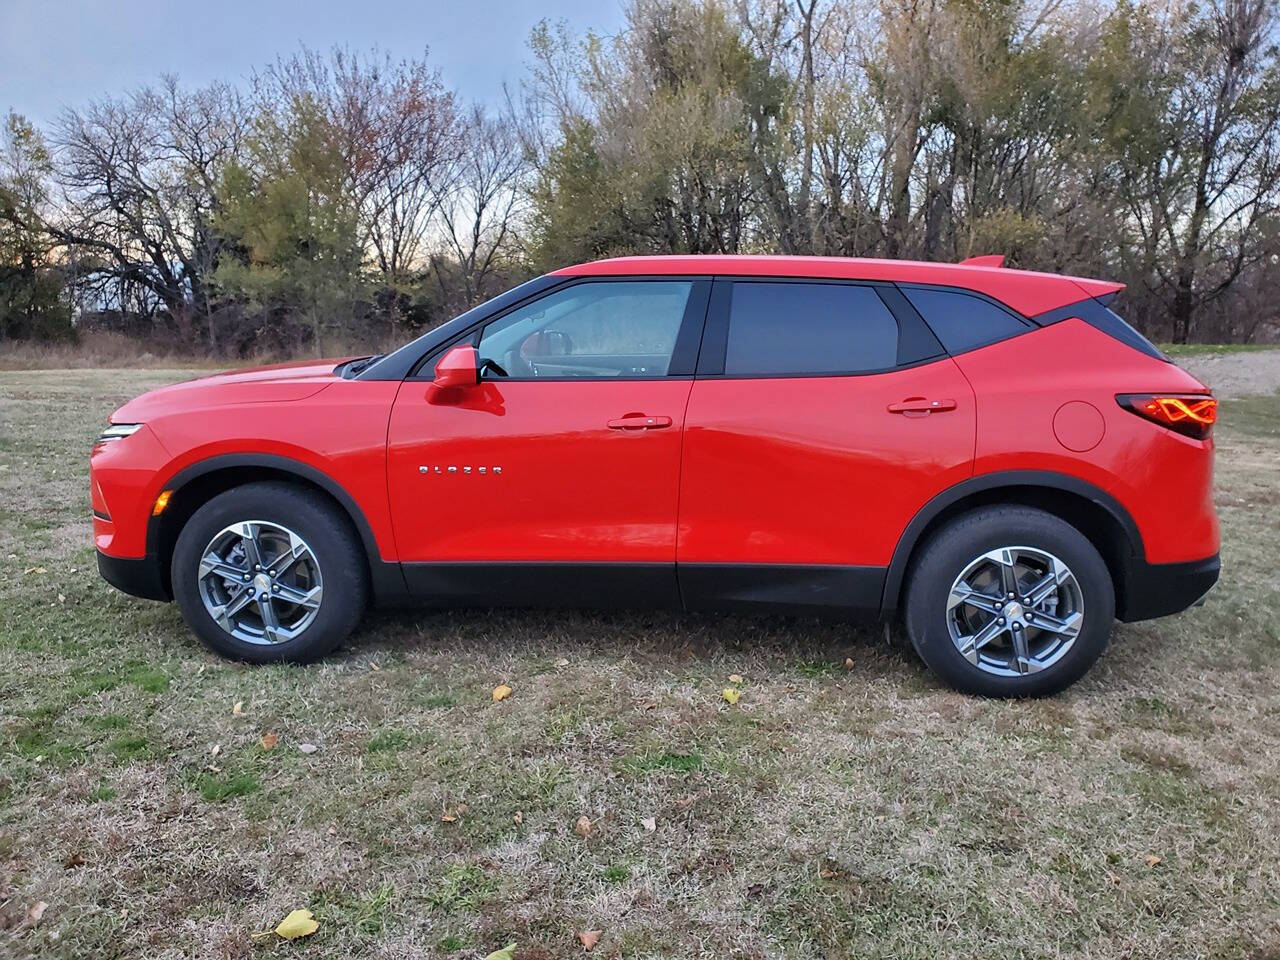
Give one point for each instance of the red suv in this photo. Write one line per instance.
(992, 453)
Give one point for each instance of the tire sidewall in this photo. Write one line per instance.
(336, 550)
(968, 537)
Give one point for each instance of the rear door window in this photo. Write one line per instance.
(963, 321)
(781, 329)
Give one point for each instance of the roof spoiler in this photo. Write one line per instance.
(990, 260)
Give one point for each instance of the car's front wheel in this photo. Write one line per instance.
(269, 572)
(1009, 601)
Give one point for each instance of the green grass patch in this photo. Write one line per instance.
(388, 741)
(43, 743)
(102, 794)
(132, 746)
(365, 915)
(462, 887)
(91, 682)
(106, 722)
(217, 787)
(645, 763)
(148, 678)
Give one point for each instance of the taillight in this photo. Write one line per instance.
(1192, 415)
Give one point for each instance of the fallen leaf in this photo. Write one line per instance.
(589, 938)
(308, 747)
(650, 824)
(447, 817)
(848, 663)
(562, 662)
(62, 598)
(35, 912)
(518, 818)
(73, 861)
(237, 709)
(583, 827)
(731, 695)
(269, 741)
(501, 692)
(298, 923)
(373, 666)
(827, 873)
(1152, 860)
(506, 953)
(217, 749)
(735, 678)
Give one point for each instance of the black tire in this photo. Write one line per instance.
(336, 548)
(947, 553)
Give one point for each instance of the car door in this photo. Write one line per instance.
(556, 476)
(823, 416)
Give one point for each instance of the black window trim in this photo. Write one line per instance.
(683, 357)
(1086, 309)
(1029, 323)
(715, 338)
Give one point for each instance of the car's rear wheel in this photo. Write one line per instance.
(269, 572)
(1009, 601)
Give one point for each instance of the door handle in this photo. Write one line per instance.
(638, 421)
(921, 406)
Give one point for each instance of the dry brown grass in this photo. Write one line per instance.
(98, 350)
(103, 349)
(831, 813)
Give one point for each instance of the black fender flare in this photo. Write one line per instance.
(1046, 479)
(387, 579)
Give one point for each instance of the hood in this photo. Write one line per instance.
(277, 383)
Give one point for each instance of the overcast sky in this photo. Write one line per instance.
(64, 52)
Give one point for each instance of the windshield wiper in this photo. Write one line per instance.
(355, 367)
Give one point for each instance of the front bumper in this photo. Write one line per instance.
(136, 576)
(1159, 589)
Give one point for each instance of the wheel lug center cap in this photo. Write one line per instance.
(262, 583)
(1013, 611)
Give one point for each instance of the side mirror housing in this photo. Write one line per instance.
(458, 367)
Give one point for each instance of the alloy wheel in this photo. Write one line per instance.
(260, 582)
(1014, 611)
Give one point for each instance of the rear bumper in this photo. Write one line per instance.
(136, 576)
(1159, 589)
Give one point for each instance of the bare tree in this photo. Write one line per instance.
(1199, 189)
(139, 188)
(479, 216)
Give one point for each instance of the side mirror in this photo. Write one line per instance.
(458, 367)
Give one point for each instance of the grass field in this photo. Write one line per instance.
(833, 812)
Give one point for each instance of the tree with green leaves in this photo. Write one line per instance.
(33, 303)
(294, 227)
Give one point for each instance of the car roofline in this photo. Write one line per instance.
(1028, 292)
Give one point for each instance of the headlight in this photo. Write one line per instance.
(118, 431)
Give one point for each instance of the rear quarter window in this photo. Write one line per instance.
(1098, 314)
(779, 329)
(963, 321)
